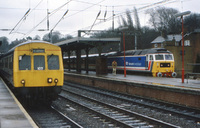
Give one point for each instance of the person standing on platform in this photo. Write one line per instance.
(114, 66)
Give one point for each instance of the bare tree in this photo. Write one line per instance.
(137, 21)
(4, 46)
(56, 37)
(192, 22)
(37, 37)
(129, 20)
(163, 19)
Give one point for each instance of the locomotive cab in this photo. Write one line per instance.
(163, 65)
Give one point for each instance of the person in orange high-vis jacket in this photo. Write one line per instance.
(114, 66)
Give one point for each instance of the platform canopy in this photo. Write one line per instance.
(78, 43)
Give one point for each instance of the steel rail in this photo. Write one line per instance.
(55, 118)
(161, 108)
(119, 123)
(127, 112)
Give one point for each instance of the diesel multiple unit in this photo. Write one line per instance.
(35, 69)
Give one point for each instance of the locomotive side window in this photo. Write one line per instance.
(39, 62)
(168, 57)
(159, 57)
(151, 57)
(53, 62)
(24, 62)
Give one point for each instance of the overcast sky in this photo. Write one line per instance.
(81, 14)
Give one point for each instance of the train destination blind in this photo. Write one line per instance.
(38, 50)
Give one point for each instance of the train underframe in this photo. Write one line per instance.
(37, 94)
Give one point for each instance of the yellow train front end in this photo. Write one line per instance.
(163, 65)
(38, 69)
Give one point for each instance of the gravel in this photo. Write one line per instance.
(90, 121)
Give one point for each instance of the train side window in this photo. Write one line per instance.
(24, 62)
(7, 62)
(53, 62)
(10, 62)
(151, 57)
(39, 62)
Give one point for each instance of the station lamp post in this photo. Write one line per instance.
(123, 33)
(181, 15)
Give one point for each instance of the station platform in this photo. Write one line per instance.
(12, 114)
(160, 81)
(170, 90)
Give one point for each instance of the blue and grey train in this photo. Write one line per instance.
(156, 61)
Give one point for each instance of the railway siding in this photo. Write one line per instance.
(168, 93)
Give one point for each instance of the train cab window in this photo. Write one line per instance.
(168, 57)
(39, 62)
(53, 62)
(24, 62)
(159, 57)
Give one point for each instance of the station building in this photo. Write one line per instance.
(173, 43)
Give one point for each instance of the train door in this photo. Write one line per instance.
(147, 61)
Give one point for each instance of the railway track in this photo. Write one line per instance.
(185, 112)
(49, 117)
(189, 114)
(115, 115)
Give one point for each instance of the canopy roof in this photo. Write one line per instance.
(82, 43)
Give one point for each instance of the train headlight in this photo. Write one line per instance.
(49, 80)
(23, 81)
(56, 80)
(157, 65)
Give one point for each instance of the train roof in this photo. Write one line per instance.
(139, 52)
(27, 42)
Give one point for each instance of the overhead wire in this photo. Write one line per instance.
(84, 9)
(24, 18)
(116, 15)
(95, 19)
(97, 4)
(111, 5)
(123, 13)
(139, 9)
(52, 13)
(20, 21)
